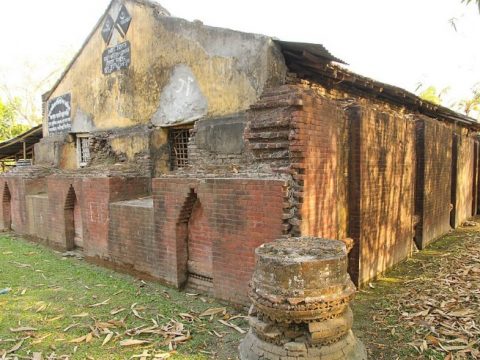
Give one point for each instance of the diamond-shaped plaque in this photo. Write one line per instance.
(107, 29)
(123, 21)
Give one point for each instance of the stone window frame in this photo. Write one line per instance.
(82, 149)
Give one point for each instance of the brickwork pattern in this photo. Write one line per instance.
(381, 190)
(462, 192)
(433, 180)
(93, 196)
(131, 241)
(37, 208)
(318, 140)
(5, 215)
(239, 215)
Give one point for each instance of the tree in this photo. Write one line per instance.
(471, 104)
(467, 2)
(37, 76)
(9, 127)
(431, 94)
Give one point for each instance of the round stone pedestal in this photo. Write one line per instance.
(300, 292)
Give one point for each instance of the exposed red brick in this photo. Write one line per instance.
(433, 180)
(381, 190)
(462, 184)
(238, 215)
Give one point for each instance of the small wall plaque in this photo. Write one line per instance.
(59, 114)
(107, 29)
(116, 58)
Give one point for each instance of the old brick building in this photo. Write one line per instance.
(174, 149)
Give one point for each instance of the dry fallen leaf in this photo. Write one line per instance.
(100, 303)
(133, 342)
(117, 311)
(23, 328)
(233, 326)
(88, 337)
(16, 347)
(55, 318)
(213, 311)
(107, 339)
(79, 339)
(462, 313)
(84, 314)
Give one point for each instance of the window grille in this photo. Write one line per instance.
(83, 150)
(178, 139)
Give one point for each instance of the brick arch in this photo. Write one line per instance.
(7, 207)
(73, 220)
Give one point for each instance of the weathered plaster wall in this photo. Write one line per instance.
(179, 71)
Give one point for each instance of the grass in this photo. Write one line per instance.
(48, 291)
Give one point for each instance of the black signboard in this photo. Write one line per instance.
(107, 29)
(123, 21)
(116, 58)
(59, 114)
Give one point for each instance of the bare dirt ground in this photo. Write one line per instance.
(428, 307)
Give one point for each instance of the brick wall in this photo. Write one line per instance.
(320, 123)
(20, 187)
(238, 215)
(93, 195)
(131, 240)
(38, 215)
(462, 185)
(381, 184)
(19, 222)
(433, 180)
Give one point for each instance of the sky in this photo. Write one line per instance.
(403, 43)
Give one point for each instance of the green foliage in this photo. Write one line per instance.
(472, 103)
(431, 94)
(9, 127)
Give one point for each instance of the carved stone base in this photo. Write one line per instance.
(348, 348)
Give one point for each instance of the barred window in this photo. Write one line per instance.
(178, 140)
(83, 150)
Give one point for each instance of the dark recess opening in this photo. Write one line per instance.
(7, 208)
(73, 221)
(178, 139)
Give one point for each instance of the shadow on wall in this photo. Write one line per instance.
(436, 170)
(462, 182)
(382, 223)
(182, 236)
(73, 221)
(7, 208)
(323, 197)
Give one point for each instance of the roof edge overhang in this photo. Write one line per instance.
(317, 64)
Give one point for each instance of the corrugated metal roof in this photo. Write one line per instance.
(10, 148)
(299, 48)
(315, 62)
